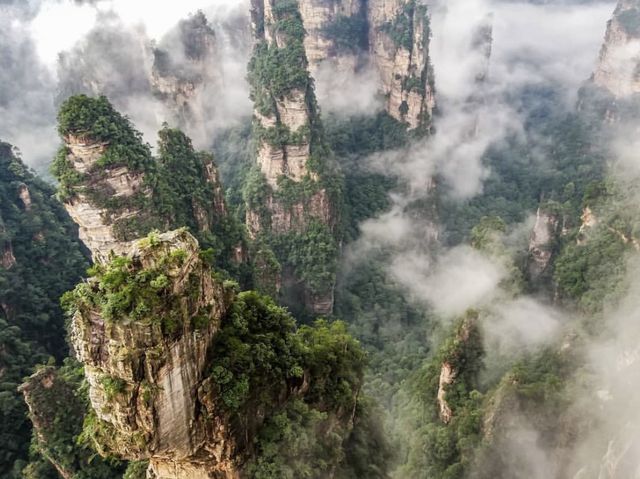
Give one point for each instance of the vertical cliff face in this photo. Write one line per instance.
(116, 191)
(399, 37)
(184, 372)
(294, 188)
(185, 65)
(458, 358)
(99, 225)
(392, 35)
(618, 69)
(336, 32)
(541, 243)
(147, 368)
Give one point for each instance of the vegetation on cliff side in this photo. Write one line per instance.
(40, 257)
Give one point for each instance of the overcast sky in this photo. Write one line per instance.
(60, 24)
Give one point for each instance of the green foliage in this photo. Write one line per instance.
(112, 387)
(255, 353)
(259, 353)
(518, 180)
(136, 470)
(259, 358)
(48, 261)
(195, 201)
(125, 291)
(367, 450)
(447, 450)
(289, 446)
(313, 254)
(276, 71)
(59, 398)
(95, 119)
(401, 28)
(591, 273)
(485, 233)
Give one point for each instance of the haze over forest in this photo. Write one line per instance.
(332, 239)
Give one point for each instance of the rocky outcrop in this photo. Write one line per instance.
(148, 377)
(618, 68)
(399, 36)
(95, 219)
(25, 197)
(391, 35)
(117, 191)
(447, 376)
(541, 243)
(295, 165)
(185, 66)
(460, 362)
(336, 33)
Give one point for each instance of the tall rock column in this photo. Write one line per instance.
(117, 192)
(147, 366)
(293, 193)
(336, 32)
(399, 36)
(618, 68)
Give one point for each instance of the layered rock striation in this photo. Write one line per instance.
(117, 192)
(399, 36)
(147, 368)
(183, 371)
(618, 68)
(392, 36)
(295, 187)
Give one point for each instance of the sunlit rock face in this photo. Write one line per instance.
(148, 378)
(618, 68)
(97, 223)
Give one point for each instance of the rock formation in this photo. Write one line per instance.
(186, 65)
(293, 187)
(147, 376)
(117, 192)
(336, 32)
(98, 224)
(543, 237)
(618, 69)
(393, 36)
(460, 362)
(183, 371)
(399, 36)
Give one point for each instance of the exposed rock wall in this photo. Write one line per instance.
(458, 362)
(148, 384)
(545, 233)
(186, 65)
(618, 68)
(391, 35)
(96, 223)
(399, 37)
(320, 44)
(289, 135)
